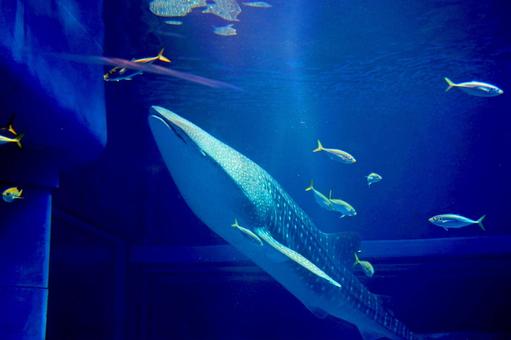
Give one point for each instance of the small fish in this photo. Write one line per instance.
(247, 233)
(10, 128)
(455, 221)
(372, 178)
(366, 266)
(16, 138)
(174, 22)
(226, 31)
(11, 194)
(119, 73)
(475, 88)
(257, 4)
(321, 199)
(335, 154)
(341, 206)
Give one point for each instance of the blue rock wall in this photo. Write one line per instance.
(59, 106)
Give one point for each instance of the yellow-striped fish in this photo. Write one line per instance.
(119, 73)
(14, 138)
(336, 154)
(9, 195)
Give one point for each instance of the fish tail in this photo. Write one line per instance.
(235, 224)
(319, 148)
(330, 194)
(480, 222)
(357, 260)
(161, 57)
(311, 186)
(17, 140)
(450, 84)
(11, 129)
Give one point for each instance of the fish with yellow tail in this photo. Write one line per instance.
(14, 138)
(336, 154)
(475, 88)
(448, 221)
(119, 73)
(10, 128)
(341, 206)
(9, 195)
(320, 199)
(247, 233)
(366, 266)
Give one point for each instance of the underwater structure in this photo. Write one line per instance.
(59, 106)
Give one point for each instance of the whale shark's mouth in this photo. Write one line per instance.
(176, 125)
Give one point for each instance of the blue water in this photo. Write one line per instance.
(362, 76)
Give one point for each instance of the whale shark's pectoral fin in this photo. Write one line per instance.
(294, 256)
(342, 246)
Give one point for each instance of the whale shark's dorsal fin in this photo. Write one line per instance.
(343, 246)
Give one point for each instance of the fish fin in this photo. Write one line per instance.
(319, 148)
(311, 186)
(342, 216)
(483, 89)
(450, 84)
(480, 222)
(235, 224)
(357, 260)
(161, 57)
(294, 256)
(10, 125)
(445, 229)
(10, 128)
(18, 139)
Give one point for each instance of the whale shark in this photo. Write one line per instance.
(250, 210)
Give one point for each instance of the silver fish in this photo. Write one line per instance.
(372, 178)
(320, 199)
(174, 22)
(341, 206)
(257, 4)
(475, 88)
(447, 221)
(227, 31)
(336, 154)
